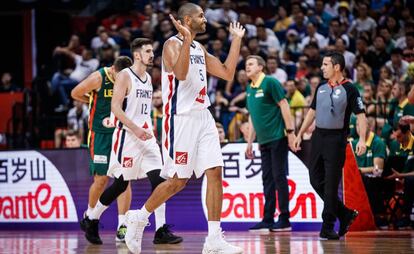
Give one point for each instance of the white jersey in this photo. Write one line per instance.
(183, 96)
(137, 104)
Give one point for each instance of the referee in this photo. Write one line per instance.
(332, 105)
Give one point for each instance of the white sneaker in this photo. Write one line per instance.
(217, 245)
(135, 229)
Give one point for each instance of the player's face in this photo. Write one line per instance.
(146, 55)
(198, 21)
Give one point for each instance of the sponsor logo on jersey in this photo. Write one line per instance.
(181, 158)
(107, 123)
(100, 159)
(127, 162)
(201, 95)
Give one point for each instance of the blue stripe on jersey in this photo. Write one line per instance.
(121, 146)
(173, 111)
(124, 106)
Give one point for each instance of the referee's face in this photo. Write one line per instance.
(327, 68)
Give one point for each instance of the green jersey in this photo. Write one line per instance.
(262, 103)
(375, 149)
(396, 149)
(100, 105)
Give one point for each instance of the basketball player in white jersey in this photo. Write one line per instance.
(135, 153)
(190, 138)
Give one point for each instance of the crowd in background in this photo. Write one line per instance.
(376, 38)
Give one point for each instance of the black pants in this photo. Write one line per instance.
(275, 168)
(325, 171)
(408, 194)
(378, 190)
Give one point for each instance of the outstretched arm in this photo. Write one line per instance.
(176, 57)
(227, 69)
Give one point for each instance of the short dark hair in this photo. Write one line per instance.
(72, 133)
(186, 10)
(337, 58)
(396, 51)
(138, 43)
(122, 62)
(259, 59)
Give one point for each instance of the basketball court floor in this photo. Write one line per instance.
(58, 242)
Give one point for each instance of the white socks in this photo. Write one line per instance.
(159, 216)
(213, 228)
(121, 220)
(88, 212)
(143, 213)
(97, 211)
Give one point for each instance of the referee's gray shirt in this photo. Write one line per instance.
(334, 104)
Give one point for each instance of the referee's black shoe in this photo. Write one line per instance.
(165, 236)
(346, 221)
(328, 234)
(91, 230)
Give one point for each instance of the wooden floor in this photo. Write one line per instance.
(58, 242)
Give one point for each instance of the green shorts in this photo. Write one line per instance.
(100, 151)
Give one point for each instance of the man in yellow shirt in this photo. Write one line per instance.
(296, 101)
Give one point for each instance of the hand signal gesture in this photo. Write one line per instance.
(180, 28)
(236, 30)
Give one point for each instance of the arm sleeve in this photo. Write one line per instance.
(315, 95)
(276, 90)
(355, 100)
(379, 150)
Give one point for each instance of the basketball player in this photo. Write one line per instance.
(99, 86)
(135, 152)
(190, 138)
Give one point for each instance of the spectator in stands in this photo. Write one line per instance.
(292, 44)
(244, 130)
(401, 42)
(320, 18)
(101, 40)
(381, 55)
(216, 49)
(408, 55)
(77, 120)
(296, 102)
(363, 23)
(331, 7)
(368, 98)
(389, 41)
(166, 31)
(344, 14)
(397, 65)
(266, 42)
(341, 47)
(73, 139)
(151, 15)
(312, 52)
(6, 84)
(363, 76)
(299, 24)
(274, 70)
(403, 147)
(385, 74)
(335, 32)
(106, 55)
(283, 21)
(222, 16)
(314, 81)
(254, 47)
(302, 68)
(363, 53)
(371, 165)
(222, 134)
(313, 36)
(62, 84)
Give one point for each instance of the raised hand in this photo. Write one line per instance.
(236, 30)
(180, 28)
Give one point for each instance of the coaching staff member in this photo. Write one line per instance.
(332, 106)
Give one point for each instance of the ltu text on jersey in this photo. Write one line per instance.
(141, 93)
(108, 92)
(196, 59)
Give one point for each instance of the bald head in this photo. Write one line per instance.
(187, 10)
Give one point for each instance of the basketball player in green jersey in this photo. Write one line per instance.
(97, 90)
